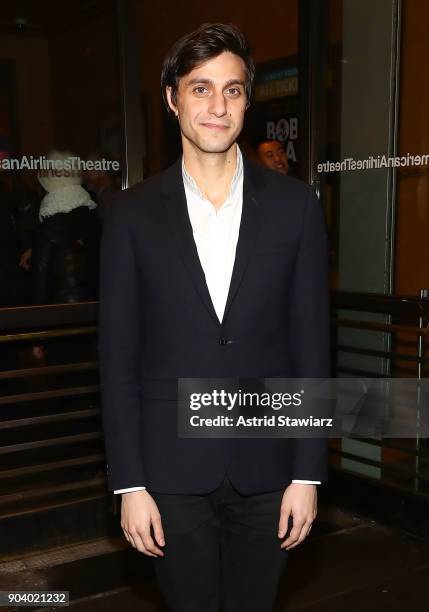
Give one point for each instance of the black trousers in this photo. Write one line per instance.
(222, 551)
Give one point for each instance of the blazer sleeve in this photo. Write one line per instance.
(120, 322)
(310, 330)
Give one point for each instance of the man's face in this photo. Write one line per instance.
(273, 155)
(211, 102)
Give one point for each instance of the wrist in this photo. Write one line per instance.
(128, 493)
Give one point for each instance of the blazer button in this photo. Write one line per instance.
(225, 341)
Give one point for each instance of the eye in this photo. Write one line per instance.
(234, 91)
(199, 89)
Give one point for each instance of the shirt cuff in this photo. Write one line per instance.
(307, 481)
(130, 490)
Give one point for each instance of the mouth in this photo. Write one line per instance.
(215, 126)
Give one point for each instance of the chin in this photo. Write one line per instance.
(215, 147)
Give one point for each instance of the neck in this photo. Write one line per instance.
(212, 172)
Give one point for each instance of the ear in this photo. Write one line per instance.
(168, 93)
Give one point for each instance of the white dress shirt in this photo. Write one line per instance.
(216, 235)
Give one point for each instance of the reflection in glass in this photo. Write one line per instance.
(66, 239)
(59, 95)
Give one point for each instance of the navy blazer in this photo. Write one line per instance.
(157, 324)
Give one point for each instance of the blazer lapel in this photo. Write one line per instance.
(180, 225)
(181, 228)
(251, 221)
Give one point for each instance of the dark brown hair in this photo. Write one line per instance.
(201, 45)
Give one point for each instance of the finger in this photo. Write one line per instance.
(285, 513)
(150, 545)
(130, 538)
(302, 535)
(141, 545)
(158, 531)
(127, 537)
(301, 538)
(298, 524)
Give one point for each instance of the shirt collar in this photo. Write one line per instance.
(190, 184)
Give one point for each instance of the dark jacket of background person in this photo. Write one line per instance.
(65, 258)
(27, 212)
(157, 324)
(9, 254)
(16, 224)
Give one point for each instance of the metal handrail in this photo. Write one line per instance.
(386, 327)
(395, 305)
(49, 315)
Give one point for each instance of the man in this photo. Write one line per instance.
(272, 154)
(100, 184)
(214, 268)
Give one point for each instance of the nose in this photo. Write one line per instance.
(217, 104)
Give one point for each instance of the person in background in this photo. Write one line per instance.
(26, 225)
(63, 249)
(9, 253)
(16, 200)
(64, 259)
(272, 154)
(102, 186)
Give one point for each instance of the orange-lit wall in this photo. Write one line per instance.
(412, 217)
(30, 56)
(85, 80)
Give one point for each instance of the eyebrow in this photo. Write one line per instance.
(210, 82)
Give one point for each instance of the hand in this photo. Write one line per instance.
(24, 260)
(38, 351)
(138, 513)
(300, 502)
